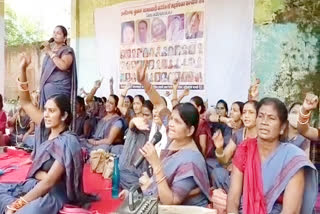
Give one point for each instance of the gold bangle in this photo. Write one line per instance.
(19, 82)
(10, 208)
(162, 179)
(305, 116)
(219, 155)
(24, 200)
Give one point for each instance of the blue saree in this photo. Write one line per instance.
(276, 172)
(53, 81)
(21, 126)
(185, 170)
(130, 175)
(67, 151)
(79, 124)
(300, 141)
(219, 175)
(102, 131)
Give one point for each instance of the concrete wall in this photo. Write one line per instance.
(266, 54)
(83, 38)
(12, 68)
(2, 46)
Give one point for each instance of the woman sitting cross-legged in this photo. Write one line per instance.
(20, 127)
(55, 176)
(219, 168)
(108, 134)
(272, 177)
(181, 168)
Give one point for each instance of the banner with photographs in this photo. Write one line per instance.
(170, 37)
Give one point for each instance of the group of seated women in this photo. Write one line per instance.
(258, 154)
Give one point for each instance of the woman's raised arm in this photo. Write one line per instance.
(34, 113)
(154, 96)
(310, 103)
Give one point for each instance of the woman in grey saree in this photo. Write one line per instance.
(58, 76)
(269, 176)
(59, 72)
(81, 118)
(64, 149)
(293, 135)
(136, 137)
(218, 166)
(181, 169)
(21, 127)
(108, 134)
(55, 177)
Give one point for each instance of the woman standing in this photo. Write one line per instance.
(59, 73)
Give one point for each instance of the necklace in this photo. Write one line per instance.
(19, 121)
(20, 125)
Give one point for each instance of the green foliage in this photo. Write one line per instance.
(299, 71)
(20, 30)
(305, 13)
(299, 68)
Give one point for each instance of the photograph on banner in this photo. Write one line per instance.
(168, 36)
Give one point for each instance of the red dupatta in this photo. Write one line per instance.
(247, 160)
